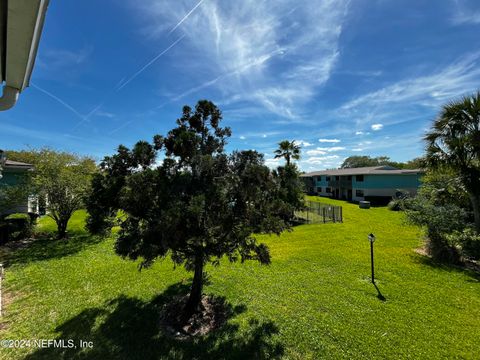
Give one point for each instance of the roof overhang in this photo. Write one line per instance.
(21, 24)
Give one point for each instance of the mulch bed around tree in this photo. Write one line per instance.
(214, 313)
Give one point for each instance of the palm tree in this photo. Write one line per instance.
(454, 142)
(288, 150)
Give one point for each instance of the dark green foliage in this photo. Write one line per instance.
(365, 160)
(15, 227)
(440, 207)
(398, 201)
(291, 193)
(198, 205)
(468, 241)
(439, 221)
(61, 177)
(12, 196)
(454, 142)
(288, 150)
(395, 204)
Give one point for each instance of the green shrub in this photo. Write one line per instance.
(398, 201)
(439, 221)
(468, 241)
(395, 205)
(15, 227)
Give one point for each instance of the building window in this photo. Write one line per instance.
(349, 177)
(319, 189)
(319, 178)
(328, 190)
(327, 178)
(359, 178)
(337, 178)
(359, 193)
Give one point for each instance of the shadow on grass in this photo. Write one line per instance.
(379, 294)
(129, 328)
(428, 261)
(46, 246)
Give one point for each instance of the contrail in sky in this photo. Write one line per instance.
(149, 64)
(56, 98)
(186, 16)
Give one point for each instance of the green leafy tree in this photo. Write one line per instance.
(359, 161)
(62, 178)
(291, 190)
(442, 206)
(365, 161)
(13, 195)
(454, 142)
(199, 205)
(288, 150)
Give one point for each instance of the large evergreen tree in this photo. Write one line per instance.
(198, 205)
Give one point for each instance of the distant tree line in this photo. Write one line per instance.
(365, 160)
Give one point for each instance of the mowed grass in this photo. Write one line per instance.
(314, 301)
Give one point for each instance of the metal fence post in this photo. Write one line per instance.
(1, 278)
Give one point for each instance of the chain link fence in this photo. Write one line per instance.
(317, 213)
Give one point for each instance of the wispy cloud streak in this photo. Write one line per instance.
(60, 101)
(148, 64)
(234, 43)
(186, 16)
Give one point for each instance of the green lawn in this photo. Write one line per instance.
(314, 301)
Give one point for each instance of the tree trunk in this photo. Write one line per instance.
(475, 200)
(194, 300)
(62, 229)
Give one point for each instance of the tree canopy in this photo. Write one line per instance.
(60, 178)
(365, 160)
(454, 142)
(197, 205)
(289, 150)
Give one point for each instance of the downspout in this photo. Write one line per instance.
(9, 97)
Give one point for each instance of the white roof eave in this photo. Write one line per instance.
(21, 24)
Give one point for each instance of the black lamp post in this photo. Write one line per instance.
(371, 238)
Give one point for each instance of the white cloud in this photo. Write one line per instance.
(430, 90)
(464, 15)
(273, 55)
(467, 18)
(56, 59)
(303, 143)
(242, 137)
(320, 159)
(332, 149)
(104, 114)
(329, 140)
(272, 163)
(377, 127)
(357, 149)
(325, 150)
(359, 133)
(316, 152)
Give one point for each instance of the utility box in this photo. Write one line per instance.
(364, 205)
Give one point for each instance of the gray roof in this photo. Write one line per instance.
(17, 164)
(370, 170)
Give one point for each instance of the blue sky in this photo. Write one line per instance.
(340, 77)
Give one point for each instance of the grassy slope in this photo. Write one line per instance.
(315, 300)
